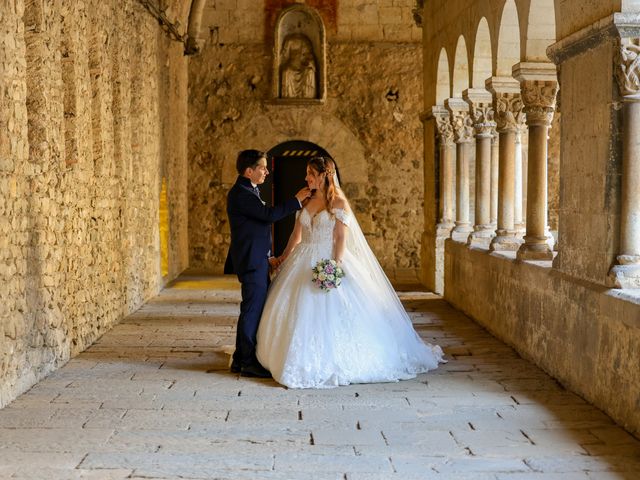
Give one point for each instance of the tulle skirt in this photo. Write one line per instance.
(357, 333)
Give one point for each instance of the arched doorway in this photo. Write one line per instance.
(287, 164)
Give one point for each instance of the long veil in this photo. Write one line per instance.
(358, 246)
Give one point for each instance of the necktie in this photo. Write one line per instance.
(257, 191)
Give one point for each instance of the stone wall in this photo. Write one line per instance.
(584, 335)
(369, 123)
(83, 147)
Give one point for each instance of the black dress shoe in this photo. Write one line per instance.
(235, 368)
(255, 370)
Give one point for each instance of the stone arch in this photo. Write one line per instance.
(460, 69)
(277, 126)
(443, 79)
(508, 40)
(482, 61)
(540, 30)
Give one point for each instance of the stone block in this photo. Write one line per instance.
(198, 465)
(396, 33)
(334, 463)
(390, 15)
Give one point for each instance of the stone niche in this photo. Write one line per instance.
(299, 57)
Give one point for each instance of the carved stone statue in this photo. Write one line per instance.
(298, 68)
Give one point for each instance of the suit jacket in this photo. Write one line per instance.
(250, 221)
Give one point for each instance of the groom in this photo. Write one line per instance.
(250, 221)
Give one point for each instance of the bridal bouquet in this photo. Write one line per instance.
(327, 275)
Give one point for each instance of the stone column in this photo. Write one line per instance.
(508, 114)
(626, 272)
(463, 136)
(517, 213)
(447, 179)
(495, 152)
(539, 88)
(481, 104)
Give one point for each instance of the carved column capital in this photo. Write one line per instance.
(463, 130)
(539, 97)
(509, 112)
(539, 87)
(627, 68)
(483, 118)
(443, 125)
(461, 120)
(481, 103)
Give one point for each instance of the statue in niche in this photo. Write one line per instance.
(298, 68)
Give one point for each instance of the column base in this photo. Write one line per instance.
(505, 241)
(534, 251)
(443, 229)
(481, 236)
(461, 231)
(463, 228)
(627, 273)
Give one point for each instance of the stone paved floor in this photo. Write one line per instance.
(153, 399)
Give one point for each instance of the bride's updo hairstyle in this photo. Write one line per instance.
(326, 166)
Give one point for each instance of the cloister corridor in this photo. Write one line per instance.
(153, 398)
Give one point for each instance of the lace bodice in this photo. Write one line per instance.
(317, 229)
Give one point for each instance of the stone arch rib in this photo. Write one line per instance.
(508, 40)
(482, 58)
(443, 79)
(460, 68)
(540, 30)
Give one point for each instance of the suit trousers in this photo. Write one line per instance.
(254, 287)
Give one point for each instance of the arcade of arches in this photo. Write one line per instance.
(490, 149)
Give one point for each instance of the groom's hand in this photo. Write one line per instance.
(274, 265)
(303, 194)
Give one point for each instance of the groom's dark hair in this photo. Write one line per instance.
(248, 159)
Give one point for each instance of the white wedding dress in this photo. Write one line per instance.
(356, 333)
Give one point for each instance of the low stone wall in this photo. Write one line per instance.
(586, 336)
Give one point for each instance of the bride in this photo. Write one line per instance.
(358, 332)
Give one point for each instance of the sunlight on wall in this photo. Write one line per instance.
(164, 229)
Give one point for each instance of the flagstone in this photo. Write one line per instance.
(167, 407)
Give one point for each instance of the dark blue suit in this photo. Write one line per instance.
(250, 221)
